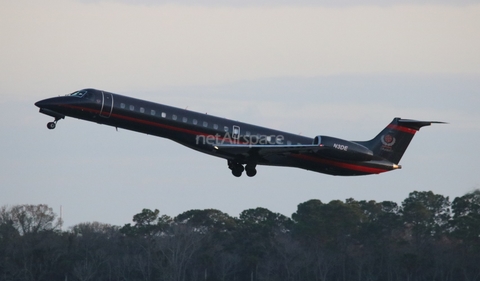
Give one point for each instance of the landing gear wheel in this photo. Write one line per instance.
(237, 169)
(51, 125)
(250, 170)
(237, 173)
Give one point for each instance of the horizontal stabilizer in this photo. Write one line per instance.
(415, 124)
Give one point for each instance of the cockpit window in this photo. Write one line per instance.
(78, 94)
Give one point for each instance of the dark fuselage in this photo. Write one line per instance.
(202, 131)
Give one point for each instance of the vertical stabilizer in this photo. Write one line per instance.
(392, 141)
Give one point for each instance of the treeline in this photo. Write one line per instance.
(426, 237)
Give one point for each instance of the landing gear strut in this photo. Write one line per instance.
(52, 125)
(56, 115)
(237, 169)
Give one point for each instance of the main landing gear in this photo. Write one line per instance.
(237, 169)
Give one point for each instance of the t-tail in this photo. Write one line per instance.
(392, 142)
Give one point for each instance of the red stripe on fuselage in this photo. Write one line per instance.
(343, 165)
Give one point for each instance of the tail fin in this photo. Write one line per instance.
(392, 142)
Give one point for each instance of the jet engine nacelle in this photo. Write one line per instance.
(342, 149)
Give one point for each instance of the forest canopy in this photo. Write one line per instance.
(426, 237)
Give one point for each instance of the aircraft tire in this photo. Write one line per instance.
(251, 172)
(237, 172)
(236, 168)
(51, 125)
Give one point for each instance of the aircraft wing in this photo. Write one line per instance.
(327, 147)
(260, 150)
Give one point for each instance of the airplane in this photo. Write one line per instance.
(243, 145)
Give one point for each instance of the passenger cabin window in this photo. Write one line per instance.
(215, 126)
(184, 119)
(289, 143)
(142, 110)
(174, 117)
(132, 107)
(205, 124)
(195, 122)
(164, 114)
(247, 133)
(122, 105)
(225, 129)
(152, 112)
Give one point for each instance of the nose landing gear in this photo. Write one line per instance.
(56, 115)
(52, 125)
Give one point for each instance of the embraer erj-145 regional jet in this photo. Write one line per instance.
(244, 146)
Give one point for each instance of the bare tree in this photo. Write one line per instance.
(178, 245)
(31, 218)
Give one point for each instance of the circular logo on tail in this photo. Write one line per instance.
(388, 141)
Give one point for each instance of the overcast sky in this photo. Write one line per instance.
(340, 68)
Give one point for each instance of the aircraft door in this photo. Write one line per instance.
(107, 105)
(236, 133)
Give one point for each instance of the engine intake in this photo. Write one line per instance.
(342, 149)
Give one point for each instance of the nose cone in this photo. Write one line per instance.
(51, 107)
(41, 103)
(47, 103)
